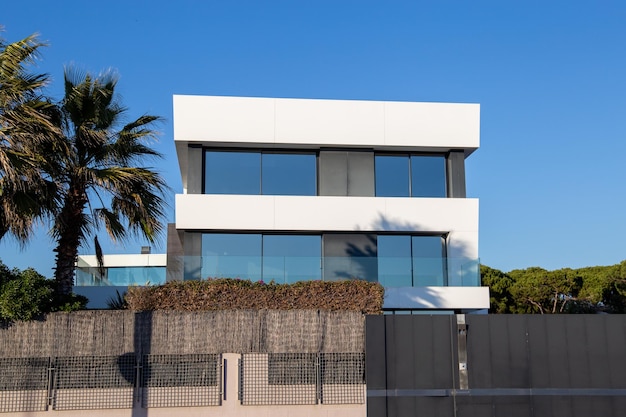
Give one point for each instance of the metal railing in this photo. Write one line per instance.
(106, 382)
(302, 378)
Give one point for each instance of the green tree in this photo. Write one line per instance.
(25, 118)
(499, 283)
(614, 289)
(96, 164)
(27, 295)
(536, 290)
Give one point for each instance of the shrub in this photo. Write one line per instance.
(236, 294)
(27, 295)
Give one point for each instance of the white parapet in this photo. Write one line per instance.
(440, 298)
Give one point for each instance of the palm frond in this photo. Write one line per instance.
(99, 257)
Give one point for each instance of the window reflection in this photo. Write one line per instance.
(291, 258)
(232, 173)
(288, 174)
(393, 260)
(410, 176)
(231, 256)
(253, 173)
(392, 176)
(428, 176)
(428, 261)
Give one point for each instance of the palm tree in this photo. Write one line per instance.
(26, 121)
(95, 163)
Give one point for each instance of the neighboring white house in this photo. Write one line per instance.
(299, 189)
(120, 272)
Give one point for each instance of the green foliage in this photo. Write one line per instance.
(536, 290)
(236, 294)
(25, 116)
(27, 295)
(499, 284)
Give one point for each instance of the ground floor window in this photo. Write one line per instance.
(282, 258)
(394, 260)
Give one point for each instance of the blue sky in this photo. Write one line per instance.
(550, 78)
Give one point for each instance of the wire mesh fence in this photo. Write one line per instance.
(181, 380)
(188, 380)
(302, 378)
(23, 384)
(342, 378)
(278, 378)
(94, 382)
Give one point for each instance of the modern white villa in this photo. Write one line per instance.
(300, 189)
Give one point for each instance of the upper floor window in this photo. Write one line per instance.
(233, 172)
(410, 175)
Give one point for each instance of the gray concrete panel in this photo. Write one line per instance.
(193, 260)
(195, 175)
(174, 269)
(455, 164)
(361, 174)
(333, 173)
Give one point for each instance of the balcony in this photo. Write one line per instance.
(393, 272)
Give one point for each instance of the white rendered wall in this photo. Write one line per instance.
(311, 124)
(144, 259)
(442, 298)
(456, 216)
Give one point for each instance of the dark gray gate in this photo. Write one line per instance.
(497, 365)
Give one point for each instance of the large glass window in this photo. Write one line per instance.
(428, 176)
(283, 258)
(232, 173)
(229, 255)
(411, 261)
(291, 258)
(410, 176)
(392, 176)
(428, 261)
(394, 261)
(254, 173)
(288, 174)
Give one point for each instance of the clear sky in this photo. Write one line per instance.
(550, 77)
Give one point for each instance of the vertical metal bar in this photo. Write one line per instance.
(223, 372)
(462, 350)
(50, 398)
(318, 379)
(240, 382)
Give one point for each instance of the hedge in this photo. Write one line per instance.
(235, 294)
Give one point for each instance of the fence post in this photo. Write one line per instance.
(50, 399)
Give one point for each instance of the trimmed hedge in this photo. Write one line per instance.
(235, 294)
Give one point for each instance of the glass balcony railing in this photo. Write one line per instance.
(120, 276)
(389, 271)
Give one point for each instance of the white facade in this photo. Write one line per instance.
(322, 127)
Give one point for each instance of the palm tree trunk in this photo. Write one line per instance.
(70, 232)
